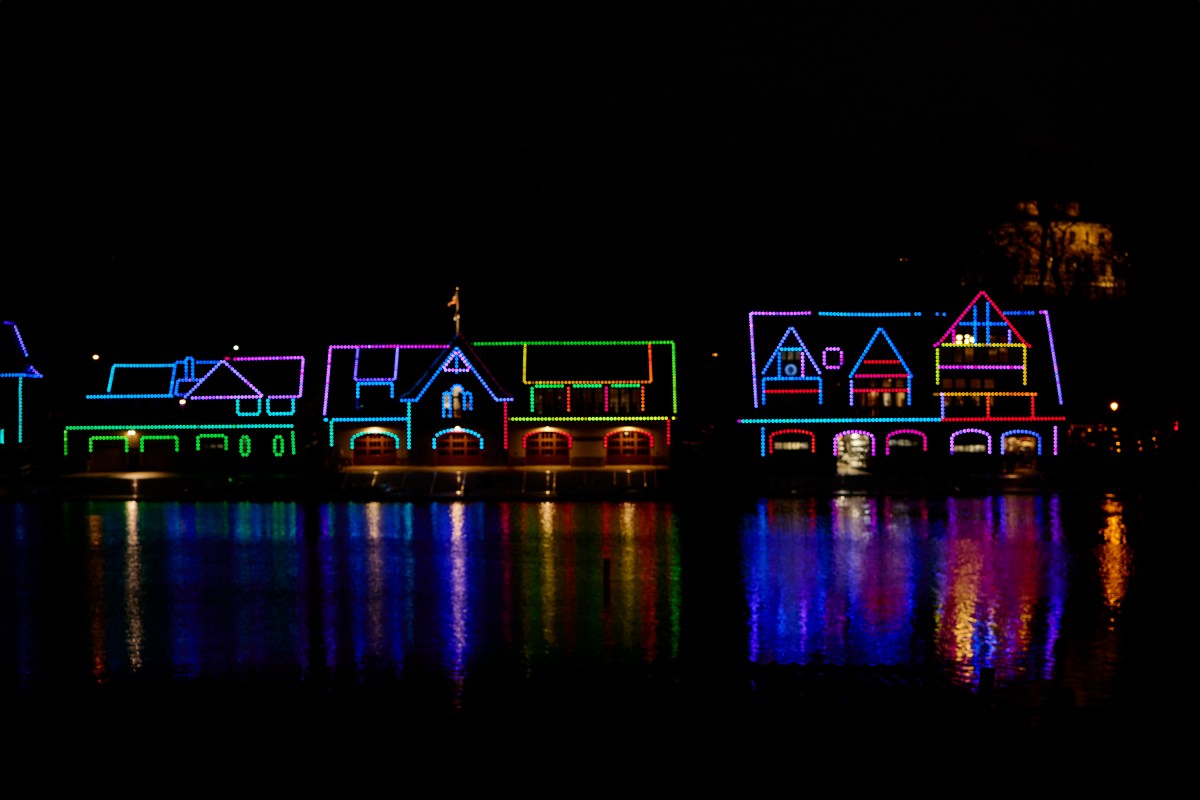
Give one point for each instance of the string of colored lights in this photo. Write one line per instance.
(981, 327)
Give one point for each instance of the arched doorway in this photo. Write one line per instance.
(855, 451)
(548, 448)
(159, 452)
(1021, 450)
(458, 448)
(794, 444)
(375, 449)
(108, 454)
(628, 447)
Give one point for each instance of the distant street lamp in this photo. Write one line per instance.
(1113, 405)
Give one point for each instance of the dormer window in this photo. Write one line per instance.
(791, 362)
(456, 402)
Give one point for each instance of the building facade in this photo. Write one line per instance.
(861, 391)
(555, 404)
(1053, 250)
(233, 413)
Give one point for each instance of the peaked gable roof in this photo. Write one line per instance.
(196, 379)
(776, 360)
(457, 357)
(248, 377)
(983, 317)
(14, 358)
(220, 382)
(880, 351)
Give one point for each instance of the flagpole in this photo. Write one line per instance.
(455, 302)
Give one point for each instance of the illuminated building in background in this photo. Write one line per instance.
(869, 390)
(15, 370)
(1052, 250)
(501, 403)
(235, 412)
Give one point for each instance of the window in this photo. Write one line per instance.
(875, 399)
(456, 402)
(1000, 355)
(550, 400)
(625, 400)
(960, 355)
(964, 403)
(791, 361)
(587, 399)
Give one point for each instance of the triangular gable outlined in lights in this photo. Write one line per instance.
(981, 329)
(457, 361)
(989, 388)
(880, 368)
(220, 372)
(799, 369)
(15, 365)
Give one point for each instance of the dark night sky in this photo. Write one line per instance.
(197, 175)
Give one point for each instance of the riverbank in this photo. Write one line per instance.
(573, 483)
(357, 483)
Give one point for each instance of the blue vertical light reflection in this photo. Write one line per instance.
(187, 591)
(878, 566)
(20, 572)
(365, 583)
(868, 580)
(457, 636)
(185, 599)
(264, 558)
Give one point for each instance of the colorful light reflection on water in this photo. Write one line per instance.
(966, 583)
(107, 591)
(215, 589)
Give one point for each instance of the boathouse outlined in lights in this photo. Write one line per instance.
(866, 390)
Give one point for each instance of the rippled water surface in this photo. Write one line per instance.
(480, 606)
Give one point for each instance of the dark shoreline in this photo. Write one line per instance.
(536, 484)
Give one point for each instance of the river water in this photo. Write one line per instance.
(1032, 611)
